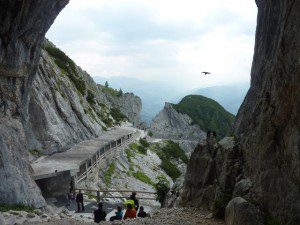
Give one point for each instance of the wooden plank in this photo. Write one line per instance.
(145, 192)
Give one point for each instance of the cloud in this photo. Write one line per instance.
(166, 40)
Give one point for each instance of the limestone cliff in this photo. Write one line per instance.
(67, 106)
(23, 25)
(170, 124)
(263, 170)
(47, 102)
(268, 122)
(129, 104)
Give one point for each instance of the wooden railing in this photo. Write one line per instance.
(120, 191)
(98, 160)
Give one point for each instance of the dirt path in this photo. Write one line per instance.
(175, 216)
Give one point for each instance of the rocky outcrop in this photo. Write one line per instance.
(212, 172)
(129, 104)
(23, 25)
(268, 122)
(239, 211)
(170, 124)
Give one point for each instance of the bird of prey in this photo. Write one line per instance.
(205, 73)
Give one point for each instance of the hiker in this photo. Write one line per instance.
(142, 213)
(79, 200)
(98, 196)
(69, 198)
(119, 214)
(136, 202)
(99, 214)
(130, 212)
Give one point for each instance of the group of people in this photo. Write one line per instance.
(133, 209)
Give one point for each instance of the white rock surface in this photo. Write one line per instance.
(170, 124)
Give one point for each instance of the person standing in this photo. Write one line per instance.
(99, 214)
(79, 200)
(136, 202)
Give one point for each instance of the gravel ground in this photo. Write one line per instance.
(174, 216)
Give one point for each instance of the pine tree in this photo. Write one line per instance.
(120, 93)
(106, 84)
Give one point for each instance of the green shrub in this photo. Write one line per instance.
(110, 91)
(220, 204)
(144, 143)
(129, 155)
(162, 188)
(5, 208)
(68, 66)
(120, 93)
(143, 177)
(108, 174)
(117, 115)
(105, 119)
(141, 149)
(134, 146)
(173, 150)
(272, 221)
(36, 152)
(150, 133)
(90, 97)
(170, 169)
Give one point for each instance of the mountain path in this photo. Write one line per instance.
(174, 216)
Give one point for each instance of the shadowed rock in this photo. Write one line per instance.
(268, 122)
(23, 25)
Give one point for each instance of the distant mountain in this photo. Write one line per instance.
(154, 94)
(206, 113)
(229, 96)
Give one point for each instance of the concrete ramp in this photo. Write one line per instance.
(60, 172)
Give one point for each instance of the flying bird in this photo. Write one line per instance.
(205, 73)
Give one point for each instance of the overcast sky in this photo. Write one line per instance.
(166, 40)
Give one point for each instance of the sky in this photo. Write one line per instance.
(171, 41)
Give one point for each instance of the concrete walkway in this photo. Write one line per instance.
(71, 159)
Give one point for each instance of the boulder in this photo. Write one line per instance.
(242, 188)
(240, 212)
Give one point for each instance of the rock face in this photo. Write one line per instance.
(23, 25)
(211, 175)
(129, 104)
(67, 106)
(169, 124)
(239, 211)
(57, 112)
(268, 122)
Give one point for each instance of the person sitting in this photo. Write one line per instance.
(130, 212)
(119, 214)
(142, 213)
(99, 214)
(136, 202)
(79, 200)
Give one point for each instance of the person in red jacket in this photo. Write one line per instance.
(130, 212)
